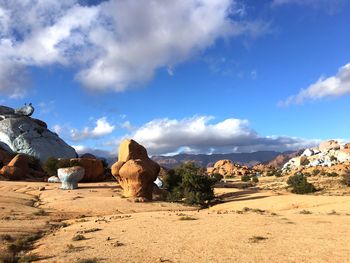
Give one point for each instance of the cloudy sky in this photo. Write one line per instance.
(198, 76)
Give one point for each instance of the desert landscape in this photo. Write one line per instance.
(181, 131)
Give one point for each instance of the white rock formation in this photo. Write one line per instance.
(22, 134)
(327, 154)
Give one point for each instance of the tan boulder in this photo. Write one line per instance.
(94, 170)
(135, 171)
(17, 168)
(228, 168)
(329, 145)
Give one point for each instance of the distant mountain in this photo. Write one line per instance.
(205, 160)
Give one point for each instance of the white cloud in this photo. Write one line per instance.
(57, 128)
(114, 44)
(102, 128)
(200, 134)
(81, 149)
(334, 86)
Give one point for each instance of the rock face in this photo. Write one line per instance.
(228, 168)
(94, 170)
(327, 154)
(70, 177)
(20, 133)
(135, 171)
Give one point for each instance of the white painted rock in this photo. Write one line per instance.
(70, 177)
(21, 134)
(53, 179)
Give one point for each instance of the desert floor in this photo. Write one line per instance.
(249, 225)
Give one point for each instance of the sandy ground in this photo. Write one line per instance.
(250, 225)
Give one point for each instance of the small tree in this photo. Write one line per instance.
(300, 185)
(189, 182)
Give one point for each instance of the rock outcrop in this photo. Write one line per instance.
(94, 170)
(227, 168)
(327, 154)
(135, 171)
(21, 167)
(17, 168)
(70, 177)
(19, 133)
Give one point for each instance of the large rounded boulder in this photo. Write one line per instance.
(19, 133)
(135, 171)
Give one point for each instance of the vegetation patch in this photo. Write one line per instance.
(300, 185)
(189, 183)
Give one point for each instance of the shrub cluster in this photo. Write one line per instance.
(247, 178)
(300, 185)
(189, 183)
(52, 164)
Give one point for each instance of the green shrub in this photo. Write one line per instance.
(332, 174)
(52, 164)
(255, 179)
(333, 158)
(300, 185)
(245, 178)
(189, 183)
(346, 178)
(217, 177)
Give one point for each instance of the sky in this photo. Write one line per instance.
(192, 76)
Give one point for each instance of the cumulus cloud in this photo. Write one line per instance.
(112, 44)
(200, 134)
(102, 128)
(334, 86)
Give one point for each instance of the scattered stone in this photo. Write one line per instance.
(53, 179)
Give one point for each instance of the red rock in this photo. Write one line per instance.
(94, 170)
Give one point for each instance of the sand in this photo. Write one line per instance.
(251, 225)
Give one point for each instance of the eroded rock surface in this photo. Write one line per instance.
(135, 171)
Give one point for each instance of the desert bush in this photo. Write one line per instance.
(52, 164)
(255, 179)
(346, 178)
(245, 178)
(217, 177)
(189, 183)
(305, 161)
(300, 185)
(316, 172)
(332, 174)
(333, 158)
(79, 237)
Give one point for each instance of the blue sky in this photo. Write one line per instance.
(199, 76)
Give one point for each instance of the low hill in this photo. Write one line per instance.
(205, 160)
